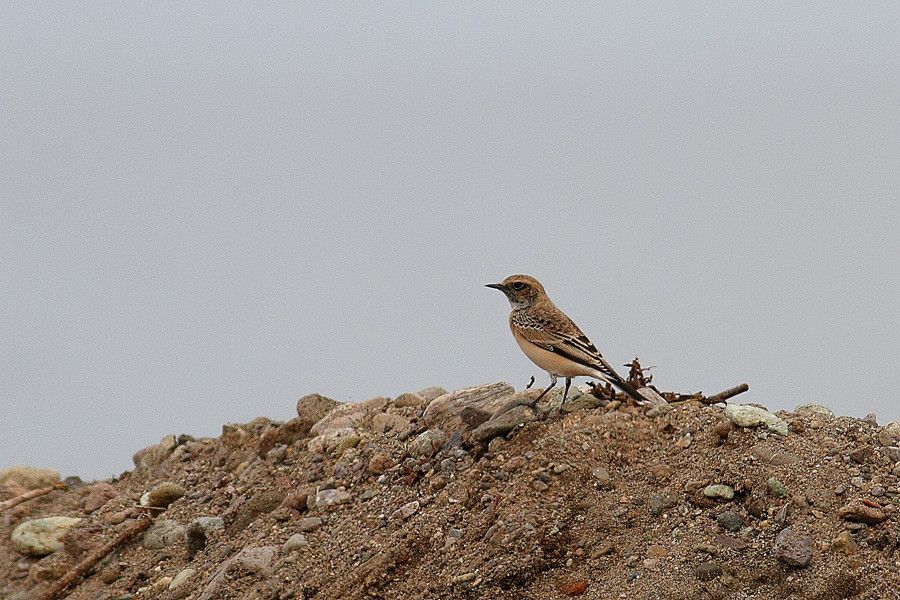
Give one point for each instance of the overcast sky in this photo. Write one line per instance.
(208, 212)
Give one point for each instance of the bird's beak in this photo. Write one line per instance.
(496, 286)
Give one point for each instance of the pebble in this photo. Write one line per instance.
(657, 551)
(601, 478)
(792, 548)
(181, 578)
(539, 485)
(295, 542)
(332, 497)
(426, 443)
(857, 481)
(719, 490)
(407, 510)
(309, 524)
(776, 488)
(730, 521)
(40, 537)
(708, 570)
(100, 493)
(845, 543)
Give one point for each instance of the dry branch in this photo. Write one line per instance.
(85, 566)
(30, 495)
(725, 395)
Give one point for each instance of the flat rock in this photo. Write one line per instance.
(383, 423)
(357, 415)
(334, 441)
(466, 409)
(309, 524)
(295, 542)
(40, 537)
(99, 494)
(746, 415)
(792, 548)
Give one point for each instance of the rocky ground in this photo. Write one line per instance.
(480, 493)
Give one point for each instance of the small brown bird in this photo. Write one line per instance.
(551, 340)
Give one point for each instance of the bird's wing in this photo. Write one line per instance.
(558, 334)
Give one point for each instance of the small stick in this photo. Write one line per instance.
(30, 495)
(85, 566)
(723, 396)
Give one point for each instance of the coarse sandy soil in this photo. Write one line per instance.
(483, 493)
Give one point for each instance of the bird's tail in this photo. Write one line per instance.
(626, 387)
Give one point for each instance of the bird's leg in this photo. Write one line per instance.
(530, 383)
(566, 391)
(549, 387)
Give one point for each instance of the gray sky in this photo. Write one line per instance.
(209, 212)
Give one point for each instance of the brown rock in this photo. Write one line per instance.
(862, 512)
(657, 551)
(792, 548)
(380, 463)
(313, 407)
(99, 494)
(466, 409)
(845, 543)
(574, 588)
(286, 433)
(164, 494)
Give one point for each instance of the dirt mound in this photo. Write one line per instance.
(480, 493)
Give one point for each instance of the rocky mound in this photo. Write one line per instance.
(479, 493)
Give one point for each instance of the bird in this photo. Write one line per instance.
(552, 340)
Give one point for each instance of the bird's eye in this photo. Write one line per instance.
(518, 286)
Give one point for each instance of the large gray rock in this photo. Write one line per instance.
(746, 415)
(40, 537)
(163, 532)
(466, 409)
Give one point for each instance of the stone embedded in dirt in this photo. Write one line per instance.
(746, 415)
(890, 434)
(845, 543)
(148, 459)
(814, 410)
(181, 578)
(427, 443)
(389, 423)
(335, 441)
(657, 551)
(601, 477)
(379, 463)
(659, 503)
(283, 435)
(354, 415)
(772, 456)
(730, 521)
(723, 429)
(40, 537)
(861, 512)
(309, 524)
(719, 491)
(792, 548)
(163, 533)
(411, 400)
(708, 570)
(311, 408)
(776, 488)
(249, 561)
(99, 494)
(574, 588)
(407, 510)
(330, 497)
(294, 543)
(21, 479)
(503, 423)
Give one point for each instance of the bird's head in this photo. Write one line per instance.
(522, 290)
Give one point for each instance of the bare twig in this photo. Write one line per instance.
(85, 566)
(30, 495)
(725, 395)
